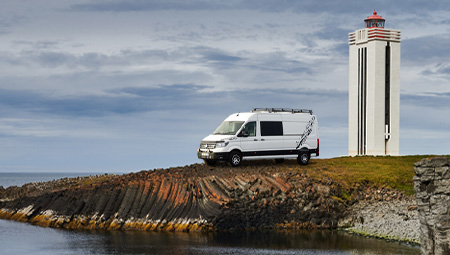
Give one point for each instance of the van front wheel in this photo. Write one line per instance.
(235, 158)
(303, 158)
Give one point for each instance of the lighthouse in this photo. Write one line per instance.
(374, 89)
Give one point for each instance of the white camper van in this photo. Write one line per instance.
(264, 133)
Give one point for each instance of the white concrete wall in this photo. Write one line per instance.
(376, 51)
(353, 101)
(393, 144)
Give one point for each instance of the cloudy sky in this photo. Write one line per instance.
(126, 85)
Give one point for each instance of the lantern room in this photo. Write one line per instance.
(374, 21)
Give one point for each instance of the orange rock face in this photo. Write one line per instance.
(191, 198)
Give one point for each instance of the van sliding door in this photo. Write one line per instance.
(271, 138)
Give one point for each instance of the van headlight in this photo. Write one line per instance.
(221, 144)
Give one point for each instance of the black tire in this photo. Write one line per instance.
(279, 160)
(235, 158)
(303, 158)
(210, 162)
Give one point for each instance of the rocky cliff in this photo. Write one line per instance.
(191, 198)
(257, 195)
(432, 186)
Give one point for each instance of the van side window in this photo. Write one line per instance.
(250, 128)
(271, 128)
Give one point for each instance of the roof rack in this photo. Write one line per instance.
(282, 110)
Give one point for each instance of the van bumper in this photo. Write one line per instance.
(314, 151)
(212, 155)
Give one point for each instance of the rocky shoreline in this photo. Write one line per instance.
(202, 198)
(396, 220)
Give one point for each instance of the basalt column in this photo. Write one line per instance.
(432, 187)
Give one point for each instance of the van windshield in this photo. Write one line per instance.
(228, 128)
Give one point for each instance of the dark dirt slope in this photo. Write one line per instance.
(190, 198)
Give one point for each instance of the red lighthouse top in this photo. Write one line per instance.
(374, 21)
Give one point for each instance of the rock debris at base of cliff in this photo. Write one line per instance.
(392, 220)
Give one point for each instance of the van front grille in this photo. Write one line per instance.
(207, 145)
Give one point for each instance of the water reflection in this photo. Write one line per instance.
(301, 242)
(20, 238)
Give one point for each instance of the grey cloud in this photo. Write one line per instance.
(168, 92)
(145, 55)
(303, 6)
(330, 32)
(289, 67)
(335, 35)
(440, 70)
(326, 6)
(144, 5)
(280, 63)
(91, 60)
(429, 100)
(155, 5)
(330, 105)
(220, 57)
(53, 59)
(426, 49)
(121, 101)
(262, 5)
(220, 60)
(426, 114)
(355, 7)
(273, 62)
(164, 97)
(46, 44)
(341, 49)
(3, 29)
(7, 22)
(41, 103)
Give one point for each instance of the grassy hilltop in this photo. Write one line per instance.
(394, 172)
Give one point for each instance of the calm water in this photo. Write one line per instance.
(19, 179)
(22, 238)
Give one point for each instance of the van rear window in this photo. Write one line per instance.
(271, 128)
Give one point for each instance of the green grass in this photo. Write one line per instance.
(395, 172)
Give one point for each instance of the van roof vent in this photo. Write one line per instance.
(282, 110)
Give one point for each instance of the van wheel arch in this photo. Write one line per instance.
(235, 158)
(303, 156)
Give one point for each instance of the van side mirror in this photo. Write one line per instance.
(243, 133)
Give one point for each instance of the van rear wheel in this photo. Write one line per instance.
(303, 158)
(235, 158)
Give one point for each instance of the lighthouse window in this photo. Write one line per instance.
(375, 23)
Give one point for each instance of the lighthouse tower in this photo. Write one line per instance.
(374, 89)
